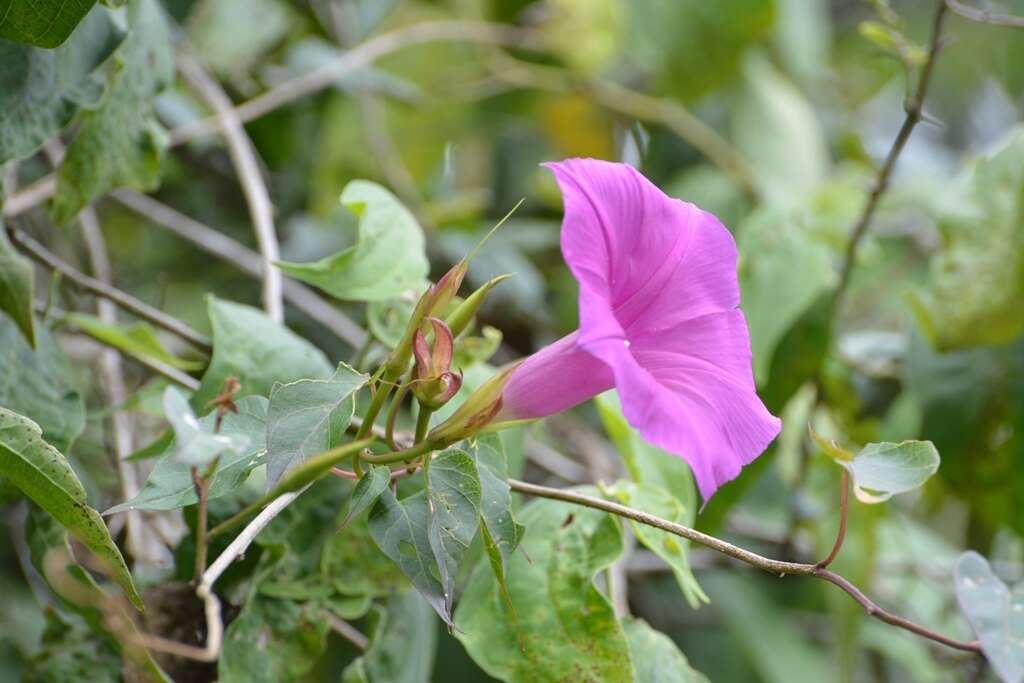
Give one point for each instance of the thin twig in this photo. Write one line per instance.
(346, 630)
(913, 107)
(360, 57)
(202, 487)
(218, 244)
(844, 507)
(983, 16)
(257, 197)
(29, 197)
(126, 301)
(777, 567)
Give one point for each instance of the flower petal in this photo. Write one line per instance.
(556, 378)
(689, 389)
(654, 261)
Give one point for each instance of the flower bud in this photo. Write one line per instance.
(434, 383)
(462, 316)
(475, 414)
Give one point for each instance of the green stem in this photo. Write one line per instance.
(398, 456)
(383, 391)
(298, 477)
(422, 423)
(389, 422)
(202, 490)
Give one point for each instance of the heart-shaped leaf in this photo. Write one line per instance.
(387, 259)
(881, 470)
(995, 612)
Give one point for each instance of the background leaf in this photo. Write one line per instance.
(119, 144)
(996, 614)
(137, 340)
(41, 90)
(401, 646)
(16, 288)
(656, 659)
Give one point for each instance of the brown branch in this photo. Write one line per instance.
(257, 196)
(248, 261)
(983, 16)
(89, 284)
(913, 108)
(777, 567)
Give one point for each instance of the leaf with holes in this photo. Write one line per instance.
(454, 493)
(499, 528)
(170, 486)
(45, 476)
(401, 529)
(881, 470)
(308, 417)
(564, 629)
(387, 259)
(995, 612)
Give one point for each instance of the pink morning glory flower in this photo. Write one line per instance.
(659, 321)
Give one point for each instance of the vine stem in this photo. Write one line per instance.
(96, 287)
(202, 487)
(778, 567)
(913, 107)
(844, 507)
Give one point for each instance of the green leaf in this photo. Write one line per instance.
(665, 482)
(308, 417)
(778, 132)
(170, 486)
(40, 384)
(45, 476)
(70, 652)
(387, 319)
(387, 259)
(454, 493)
(402, 644)
(41, 90)
(976, 281)
(16, 286)
(565, 629)
(367, 490)
(782, 271)
(272, 641)
(764, 632)
(401, 529)
(356, 566)
(252, 347)
(881, 470)
(197, 443)
(500, 530)
(119, 144)
(232, 37)
(137, 340)
(995, 612)
(668, 547)
(43, 23)
(656, 659)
